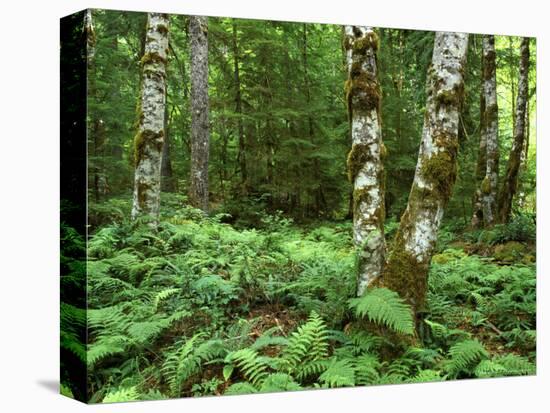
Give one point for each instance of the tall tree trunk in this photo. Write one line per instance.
(200, 134)
(365, 168)
(481, 167)
(239, 109)
(150, 135)
(318, 192)
(510, 182)
(435, 175)
(94, 131)
(486, 194)
(167, 183)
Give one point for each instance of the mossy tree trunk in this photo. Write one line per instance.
(510, 182)
(487, 173)
(407, 268)
(365, 167)
(149, 139)
(200, 133)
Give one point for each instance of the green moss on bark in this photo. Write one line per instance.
(144, 138)
(405, 275)
(357, 157)
(152, 57)
(368, 41)
(363, 92)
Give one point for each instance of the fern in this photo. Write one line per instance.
(163, 296)
(253, 366)
(186, 360)
(339, 373)
(279, 382)
(122, 395)
(383, 306)
(465, 355)
(308, 343)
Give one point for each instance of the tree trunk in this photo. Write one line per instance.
(509, 185)
(200, 134)
(486, 194)
(167, 183)
(365, 168)
(239, 109)
(435, 175)
(150, 135)
(95, 129)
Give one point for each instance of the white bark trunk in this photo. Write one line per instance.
(365, 167)
(489, 186)
(150, 136)
(510, 182)
(200, 135)
(435, 173)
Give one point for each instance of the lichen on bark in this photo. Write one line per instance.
(365, 168)
(149, 138)
(200, 135)
(510, 181)
(407, 269)
(485, 201)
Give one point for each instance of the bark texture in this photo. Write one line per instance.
(365, 167)
(198, 35)
(510, 182)
(435, 175)
(485, 206)
(239, 111)
(151, 113)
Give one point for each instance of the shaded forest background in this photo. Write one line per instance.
(279, 130)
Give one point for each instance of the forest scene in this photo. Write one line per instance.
(277, 206)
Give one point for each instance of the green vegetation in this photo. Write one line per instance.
(259, 293)
(200, 308)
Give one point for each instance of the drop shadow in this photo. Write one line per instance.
(50, 385)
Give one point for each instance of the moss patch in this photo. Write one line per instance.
(368, 41)
(357, 157)
(363, 92)
(509, 252)
(152, 57)
(144, 138)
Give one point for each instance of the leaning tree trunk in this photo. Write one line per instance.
(486, 194)
(510, 182)
(150, 136)
(435, 175)
(198, 190)
(365, 168)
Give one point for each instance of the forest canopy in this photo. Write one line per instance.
(280, 206)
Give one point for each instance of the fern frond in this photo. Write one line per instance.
(384, 306)
(279, 382)
(465, 355)
(254, 367)
(339, 373)
(122, 395)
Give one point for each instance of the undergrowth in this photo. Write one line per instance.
(199, 307)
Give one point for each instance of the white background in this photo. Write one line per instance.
(29, 191)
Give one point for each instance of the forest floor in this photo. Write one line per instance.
(200, 307)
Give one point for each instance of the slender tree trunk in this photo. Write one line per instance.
(166, 174)
(150, 135)
(435, 175)
(239, 109)
(94, 126)
(318, 192)
(481, 167)
(510, 182)
(365, 167)
(200, 134)
(486, 194)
